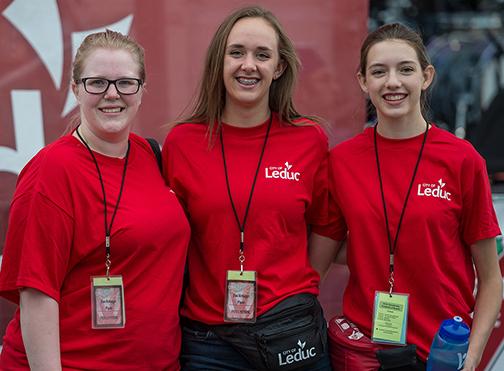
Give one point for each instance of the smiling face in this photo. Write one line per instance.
(251, 63)
(394, 81)
(108, 116)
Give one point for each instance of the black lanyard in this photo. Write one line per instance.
(241, 226)
(392, 248)
(108, 228)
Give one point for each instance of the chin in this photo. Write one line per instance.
(116, 128)
(394, 113)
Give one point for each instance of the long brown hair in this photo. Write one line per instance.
(211, 99)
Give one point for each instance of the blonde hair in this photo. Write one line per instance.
(107, 39)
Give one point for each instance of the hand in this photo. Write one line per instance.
(470, 364)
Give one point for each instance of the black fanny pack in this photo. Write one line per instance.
(291, 335)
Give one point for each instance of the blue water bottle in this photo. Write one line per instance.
(449, 347)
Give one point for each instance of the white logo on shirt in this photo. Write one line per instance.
(280, 172)
(434, 190)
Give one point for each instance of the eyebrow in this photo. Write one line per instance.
(400, 63)
(240, 46)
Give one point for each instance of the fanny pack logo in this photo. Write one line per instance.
(295, 355)
(280, 172)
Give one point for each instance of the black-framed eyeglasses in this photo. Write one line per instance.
(99, 85)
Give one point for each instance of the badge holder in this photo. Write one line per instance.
(241, 297)
(107, 302)
(390, 317)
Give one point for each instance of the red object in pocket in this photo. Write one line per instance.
(349, 348)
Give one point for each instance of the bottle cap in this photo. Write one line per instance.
(454, 329)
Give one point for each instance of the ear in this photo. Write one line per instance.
(141, 92)
(75, 90)
(280, 69)
(143, 89)
(428, 74)
(362, 82)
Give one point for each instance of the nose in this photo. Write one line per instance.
(111, 92)
(248, 64)
(393, 80)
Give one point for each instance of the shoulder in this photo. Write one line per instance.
(66, 145)
(186, 132)
(183, 130)
(449, 145)
(51, 171)
(143, 151)
(52, 160)
(359, 141)
(139, 142)
(443, 136)
(308, 129)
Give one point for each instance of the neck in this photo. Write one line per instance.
(112, 148)
(245, 117)
(401, 128)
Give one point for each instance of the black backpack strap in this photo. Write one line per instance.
(157, 152)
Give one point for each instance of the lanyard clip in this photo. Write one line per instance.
(241, 258)
(108, 263)
(391, 283)
(391, 277)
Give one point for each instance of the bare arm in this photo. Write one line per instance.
(40, 330)
(341, 256)
(488, 299)
(322, 252)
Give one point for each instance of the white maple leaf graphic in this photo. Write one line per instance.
(440, 181)
(301, 345)
(287, 165)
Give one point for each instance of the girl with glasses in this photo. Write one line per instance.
(96, 243)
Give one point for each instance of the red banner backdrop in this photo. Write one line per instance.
(38, 40)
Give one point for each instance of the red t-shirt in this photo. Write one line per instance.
(55, 243)
(449, 208)
(291, 192)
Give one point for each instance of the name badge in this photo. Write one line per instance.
(241, 297)
(390, 318)
(107, 302)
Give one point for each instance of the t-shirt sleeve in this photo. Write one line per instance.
(478, 221)
(171, 158)
(37, 247)
(335, 226)
(317, 212)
